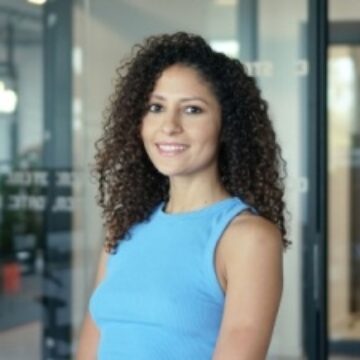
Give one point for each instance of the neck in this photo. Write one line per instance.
(188, 197)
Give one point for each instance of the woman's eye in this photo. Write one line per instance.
(154, 108)
(193, 110)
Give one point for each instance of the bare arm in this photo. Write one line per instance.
(89, 334)
(252, 253)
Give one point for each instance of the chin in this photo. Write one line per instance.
(169, 172)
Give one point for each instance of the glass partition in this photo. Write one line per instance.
(21, 180)
(53, 91)
(270, 37)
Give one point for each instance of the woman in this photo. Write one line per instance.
(191, 189)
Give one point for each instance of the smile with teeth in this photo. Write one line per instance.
(170, 150)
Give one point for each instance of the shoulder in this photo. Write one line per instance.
(249, 237)
(253, 228)
(252, 255)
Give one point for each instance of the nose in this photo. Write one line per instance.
(171, 124)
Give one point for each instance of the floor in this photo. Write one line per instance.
(27, 336)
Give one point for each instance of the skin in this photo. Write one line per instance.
(248, 258)
(183, 109)
(251, 253)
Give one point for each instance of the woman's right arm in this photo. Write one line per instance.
(89, 334)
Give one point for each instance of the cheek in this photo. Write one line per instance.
(147, 128)
(208, 135)
(143, 130)
(146, 137)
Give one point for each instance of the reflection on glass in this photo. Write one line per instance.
(102, 34)
(21, 228)
(344, 192)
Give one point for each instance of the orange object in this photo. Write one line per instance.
(11, 278)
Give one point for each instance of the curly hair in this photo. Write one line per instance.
(250, 163)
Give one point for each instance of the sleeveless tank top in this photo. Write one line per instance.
(160, 298)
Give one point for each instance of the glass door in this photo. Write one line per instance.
(35, 180)
(344, 178)
(21, 194)
(270, 37)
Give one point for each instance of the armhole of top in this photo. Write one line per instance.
(210, 266)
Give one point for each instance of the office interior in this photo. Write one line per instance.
(57, 66)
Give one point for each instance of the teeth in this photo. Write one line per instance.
(171, 147)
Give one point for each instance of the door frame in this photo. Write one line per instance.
(315, 233)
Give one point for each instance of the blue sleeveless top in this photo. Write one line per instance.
(160, 297)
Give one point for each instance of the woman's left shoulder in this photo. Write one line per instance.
(251, 230)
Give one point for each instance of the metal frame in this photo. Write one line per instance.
(315, 246)
(57, 155)
(248, 29)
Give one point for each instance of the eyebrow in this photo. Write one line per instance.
(184, 99)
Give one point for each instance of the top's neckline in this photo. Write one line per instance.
(206, 210)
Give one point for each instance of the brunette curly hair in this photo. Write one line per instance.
(250, 162)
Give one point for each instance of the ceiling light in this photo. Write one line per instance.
(8, 99)
(226, 2)
(37, 2)
(228, 47)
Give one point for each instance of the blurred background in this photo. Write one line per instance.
(57, 66)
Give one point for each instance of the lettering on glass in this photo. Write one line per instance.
(265, 68)
(64, 178)
(27, 190)
(27, 178)
(260, 68)
(62, 204)
(26, 202)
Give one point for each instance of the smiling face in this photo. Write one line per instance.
(181, 127)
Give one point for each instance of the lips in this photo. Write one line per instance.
(171, 149)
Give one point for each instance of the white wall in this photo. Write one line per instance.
(281, 41)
